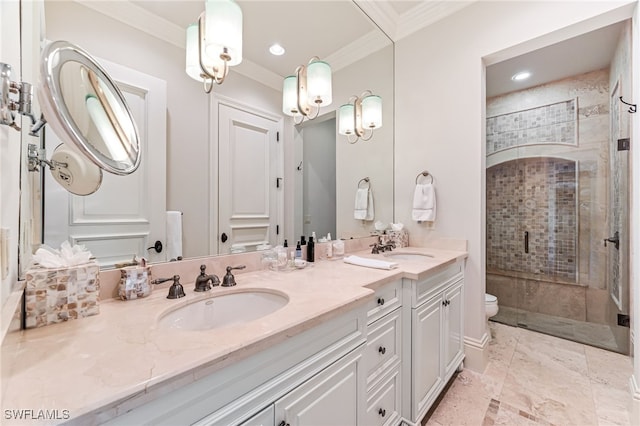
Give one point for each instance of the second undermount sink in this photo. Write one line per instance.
(408, 256)
(224, 310)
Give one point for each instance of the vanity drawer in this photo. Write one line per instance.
(384, 340)
(383, 402)
(424, 289)
(385, 300)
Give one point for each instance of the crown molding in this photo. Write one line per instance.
(140, 19)
(356, 50)
(425, 14)
(382, 14)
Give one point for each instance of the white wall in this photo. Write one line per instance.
(440, 120)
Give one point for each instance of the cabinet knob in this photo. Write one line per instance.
(382, 412)
(382, 350)
(380, 301)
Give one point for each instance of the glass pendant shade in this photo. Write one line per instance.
(319, 83)
(346, 120)
(223, 30)
(193, 63)
(290, 96)
(372, 112)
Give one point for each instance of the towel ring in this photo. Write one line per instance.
(365, 180)
(425, 174)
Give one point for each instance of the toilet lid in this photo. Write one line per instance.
(490, 298)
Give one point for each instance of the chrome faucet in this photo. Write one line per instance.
(176, 290)
(205, 282)
(229, 280)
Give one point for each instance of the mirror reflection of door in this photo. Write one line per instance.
(127, 214)
(249, 189)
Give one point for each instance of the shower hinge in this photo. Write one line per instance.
(624, 144)
(624, 320)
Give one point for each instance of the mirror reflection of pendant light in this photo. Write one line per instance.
(359, 115)
(309, 89)
(214, 43)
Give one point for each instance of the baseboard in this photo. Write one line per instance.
(476, 353)
(635, 401)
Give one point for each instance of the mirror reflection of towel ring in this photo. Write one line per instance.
(425, 174)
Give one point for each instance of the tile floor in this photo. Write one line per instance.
(537, 379)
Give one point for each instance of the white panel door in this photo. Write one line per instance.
(247, 173)
(127, 213)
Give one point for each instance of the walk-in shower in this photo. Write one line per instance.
(556, 189)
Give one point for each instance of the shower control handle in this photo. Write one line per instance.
(526, 241)
(615, 240)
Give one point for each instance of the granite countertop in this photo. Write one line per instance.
(97, 363)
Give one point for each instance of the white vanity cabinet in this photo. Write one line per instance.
(436, 337)
(383, 356)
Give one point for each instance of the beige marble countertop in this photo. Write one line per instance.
(100, 362)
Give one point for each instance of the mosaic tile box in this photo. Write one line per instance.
(55, 295)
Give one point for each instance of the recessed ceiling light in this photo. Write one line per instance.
(276, 49)
(522, 75)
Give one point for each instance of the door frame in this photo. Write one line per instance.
(214, 158)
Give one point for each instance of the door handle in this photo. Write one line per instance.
(224, 237)
(157, 246)
(615, 240)
(526, 241)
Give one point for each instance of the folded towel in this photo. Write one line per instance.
(424, 203)
(361, 205)
(370, 214)
(370, 263)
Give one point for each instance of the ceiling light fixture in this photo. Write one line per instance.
(276, 49)
(214, 43)
(305, 92)
(359, 115)
(522, 75)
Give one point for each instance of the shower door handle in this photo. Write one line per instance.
(526, 241)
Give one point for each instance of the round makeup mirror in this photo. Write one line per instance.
(86, 109)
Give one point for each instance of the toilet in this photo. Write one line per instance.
(490, 308)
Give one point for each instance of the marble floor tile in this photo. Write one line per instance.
(537, 379)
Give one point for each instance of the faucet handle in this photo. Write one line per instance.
(176, 290)
(229, 280)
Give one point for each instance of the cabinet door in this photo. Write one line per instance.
(453, 322)
(329, 398)
(426, 355)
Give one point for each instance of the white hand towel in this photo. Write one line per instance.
(424, 203)
(361, 205)
(174, 234)
(370, 212)
(370, 263)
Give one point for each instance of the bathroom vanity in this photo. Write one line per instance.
(351, 346)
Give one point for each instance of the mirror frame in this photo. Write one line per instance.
(54, 56)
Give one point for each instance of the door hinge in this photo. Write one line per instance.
(278, 182)
(277, 229)
(277, 136)
(624, 144)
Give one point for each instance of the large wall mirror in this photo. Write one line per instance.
(141, 44)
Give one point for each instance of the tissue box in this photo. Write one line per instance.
(401, 238)
(135, 282)
(59, 294)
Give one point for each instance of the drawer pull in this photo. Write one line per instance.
(283, 423)
(380, 301)
(382, 412)
(382, 350)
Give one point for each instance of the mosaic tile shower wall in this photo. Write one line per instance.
(555, 123)
(537, 195)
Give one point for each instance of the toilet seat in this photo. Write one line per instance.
(490, 298)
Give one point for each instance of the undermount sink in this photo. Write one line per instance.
(408, 256)
(224, 310)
